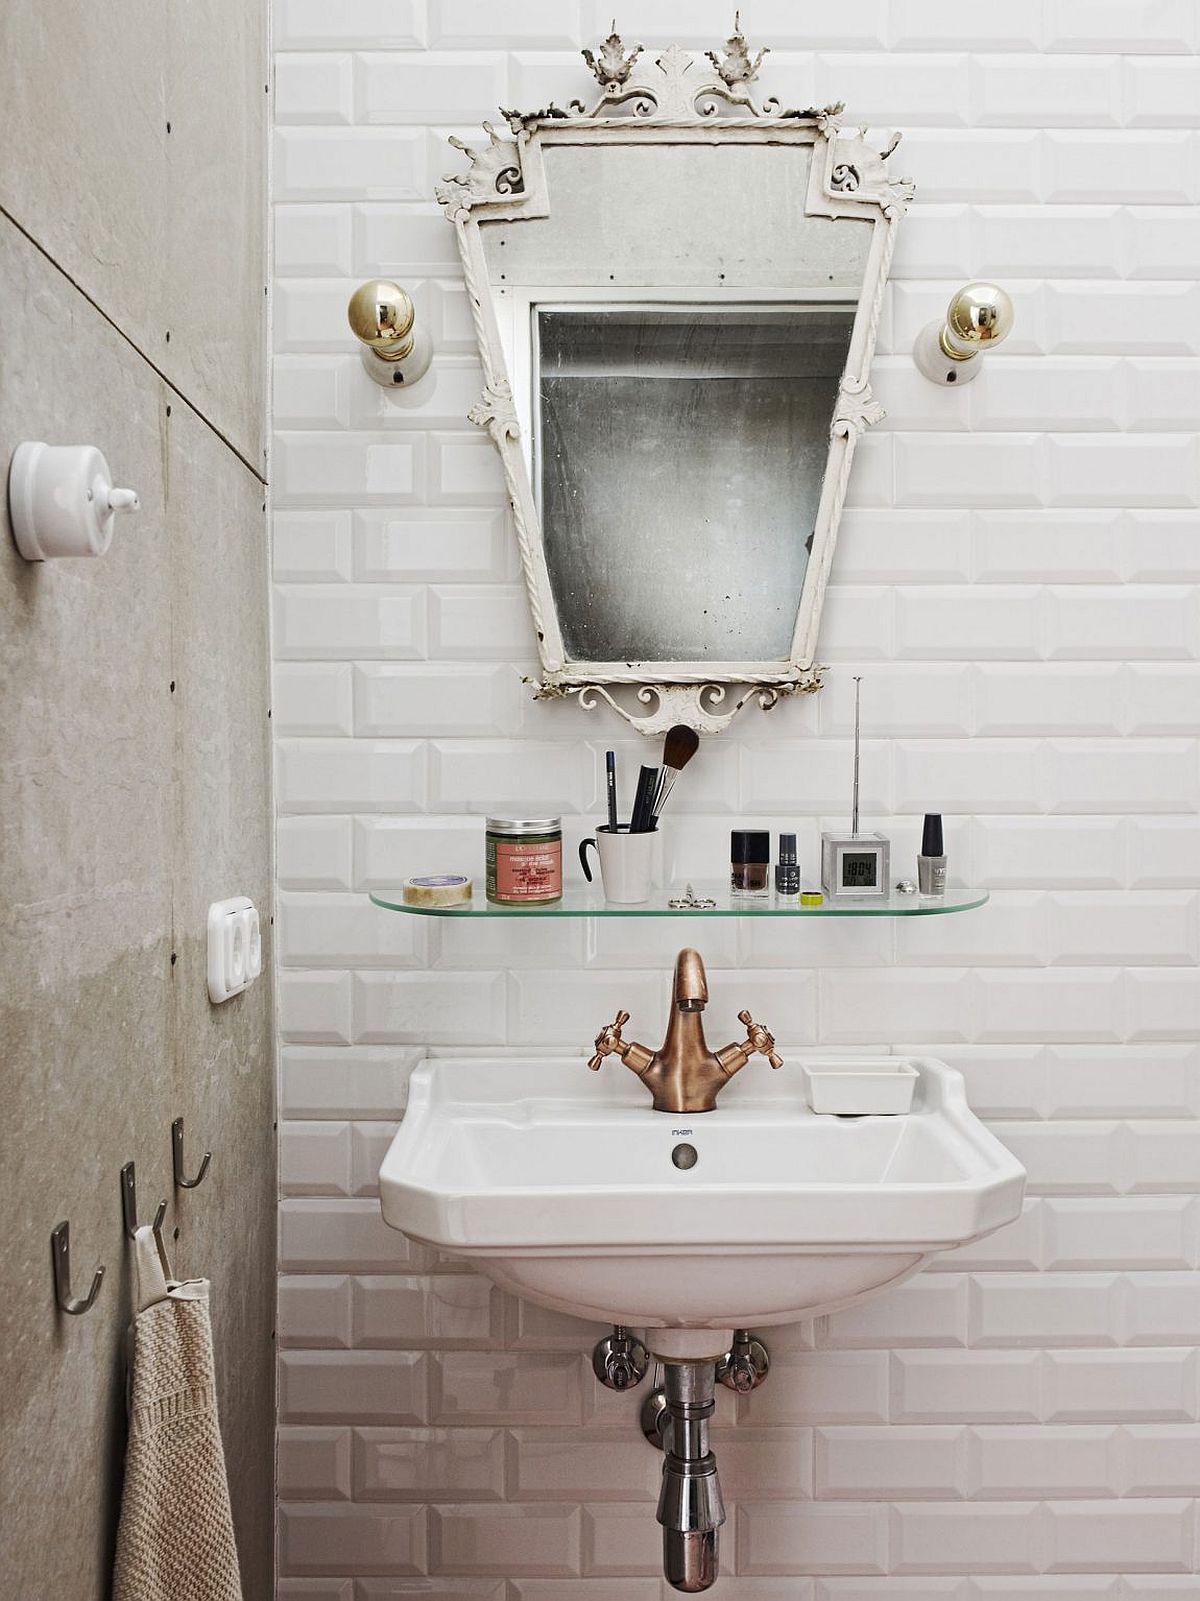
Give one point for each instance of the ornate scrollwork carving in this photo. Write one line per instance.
(700, 706)
(856, 410)
(495, 411)
(494, 172)
(612, 65)
(735, 66)
(858, 172)
(671, 88)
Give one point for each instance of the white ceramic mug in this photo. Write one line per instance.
(627, 863)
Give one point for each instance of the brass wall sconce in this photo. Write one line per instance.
(979, 317)
(395, 349)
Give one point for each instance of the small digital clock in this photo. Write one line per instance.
(855, 866)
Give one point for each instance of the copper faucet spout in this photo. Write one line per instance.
(691, 982)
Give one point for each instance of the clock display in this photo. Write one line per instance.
(860, 869)
(854, 867)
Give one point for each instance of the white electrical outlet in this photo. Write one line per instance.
(234, 947)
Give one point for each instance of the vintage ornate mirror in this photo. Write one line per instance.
(676, 292)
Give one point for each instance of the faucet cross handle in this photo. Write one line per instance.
(760, 1039)
(609, 1040)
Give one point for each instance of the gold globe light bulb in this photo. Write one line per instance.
(381, 315)
(978, 318)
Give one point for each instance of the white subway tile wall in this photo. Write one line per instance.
(1018, 580)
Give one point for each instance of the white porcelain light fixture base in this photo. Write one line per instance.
(405, 372)
(62, 501)
(234, 947)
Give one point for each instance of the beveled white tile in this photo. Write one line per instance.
(313, 852)
(425, 1465)
(426, 1008)
(510, 1388)
(325, 1236)
(1141, 1232)
(951, 1538)
(1157, 1385)
(411, 545)
(966, 1386)
(431, 87)
(311, 25)
(607, 1465)
(311, 546)
(312, 698)
(314, 1311)
(1083, 167)
(1154, 1534)
(442, 1311)
(774, 1537)
(896, 1463)
(313, 1464)
(350, 1539)
(1137, 927)
(1008, 1463)
(319, 1081)
(313, 240)
(927, 1311)
(352, 1386)
(515, 1539)
(620, 1540)
(822, 1387)
(1010, 1309)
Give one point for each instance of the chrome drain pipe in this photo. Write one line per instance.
(690, 1507)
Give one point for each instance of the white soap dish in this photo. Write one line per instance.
(850, 1087)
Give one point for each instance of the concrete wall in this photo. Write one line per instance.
(134, 739)
(1017, 576)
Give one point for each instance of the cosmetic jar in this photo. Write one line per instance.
(524, 860)
(750, 862)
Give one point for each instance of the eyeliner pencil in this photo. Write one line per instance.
(610, 769)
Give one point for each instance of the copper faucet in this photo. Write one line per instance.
(684, 1075)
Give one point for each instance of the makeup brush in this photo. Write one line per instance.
(680, 745)
(610, 774)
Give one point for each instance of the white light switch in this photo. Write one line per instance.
(234, 947)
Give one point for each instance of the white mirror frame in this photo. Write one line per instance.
(673, 99)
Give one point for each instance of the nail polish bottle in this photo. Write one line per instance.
(750, 863)
(787, 869)
(931, 863)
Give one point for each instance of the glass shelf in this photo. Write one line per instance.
(583, 900)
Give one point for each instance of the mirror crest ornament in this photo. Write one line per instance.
(605, 185)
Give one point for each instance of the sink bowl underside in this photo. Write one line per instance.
(560, 1185)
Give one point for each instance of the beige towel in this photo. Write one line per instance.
(175, 1541)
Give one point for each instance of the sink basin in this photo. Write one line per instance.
(565, 1187)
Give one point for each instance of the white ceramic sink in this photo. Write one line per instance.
(560, 1185)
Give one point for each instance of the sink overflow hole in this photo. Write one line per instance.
(685, 1156)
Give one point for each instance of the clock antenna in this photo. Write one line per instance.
(857, 733)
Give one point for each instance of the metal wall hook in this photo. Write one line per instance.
(129, 1209)
(60, 1251)
(177, 1159)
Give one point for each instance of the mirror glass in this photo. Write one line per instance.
(678, 457)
